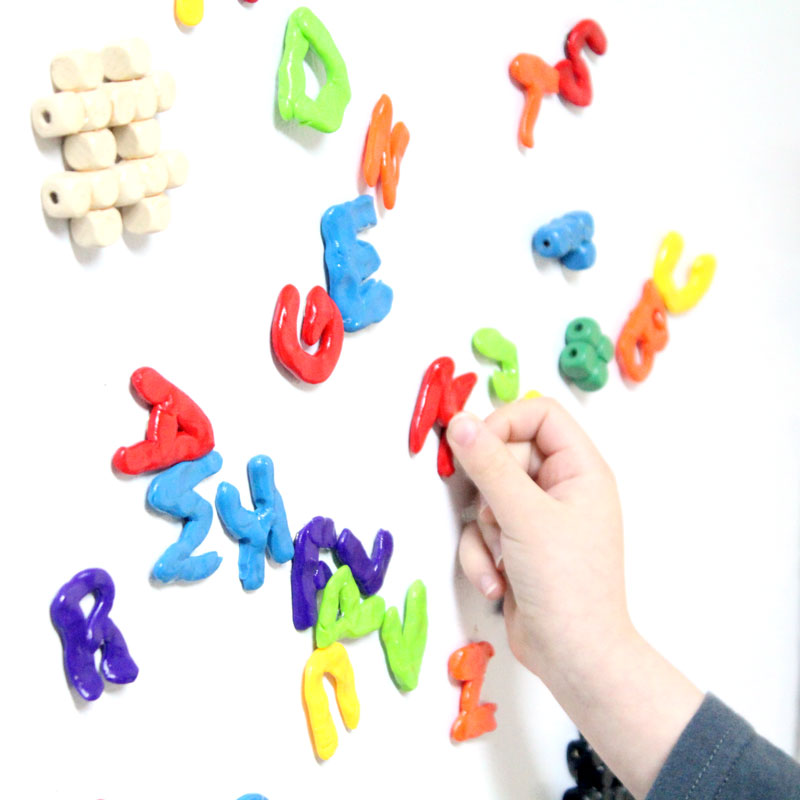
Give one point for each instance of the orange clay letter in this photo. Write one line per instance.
(468, 664)
(384, 151)
(332, 660)
(537, 79)
(644, 334)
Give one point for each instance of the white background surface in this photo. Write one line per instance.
(694, 127)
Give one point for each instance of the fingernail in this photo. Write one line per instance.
(462, 430)
(489, 586)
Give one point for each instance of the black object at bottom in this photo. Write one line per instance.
(595, 781)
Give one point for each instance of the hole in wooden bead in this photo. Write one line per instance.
(579, 326)
(573, 353)
(54, 198)
(46, 116)
(546, 243)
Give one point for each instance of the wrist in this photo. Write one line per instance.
(629, 702)
(570, 661)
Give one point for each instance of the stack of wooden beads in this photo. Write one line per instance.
(104, 108)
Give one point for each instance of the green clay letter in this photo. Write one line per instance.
(489, 343)
(342, 615)
(404, 645)
(325, 113)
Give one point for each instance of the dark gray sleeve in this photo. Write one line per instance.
(720, 757)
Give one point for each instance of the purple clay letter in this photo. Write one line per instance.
(81, 636)
(368, 572)
(309, 574)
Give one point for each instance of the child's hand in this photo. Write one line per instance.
(550, 511)
(552, 514)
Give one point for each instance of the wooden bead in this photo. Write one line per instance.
(138, 139)
(104, 186)
(177, 167)
(123, 102)
(126, 60)
(70, 112)
(147, 216)
(91, 150)
(76, 70)
(131, 183)
(154, 173)
(97, 228)
(165, 89)
(58, 115)
(145, 97)
(97, 110)
(66, 194)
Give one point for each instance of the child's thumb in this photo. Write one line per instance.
(508, 489)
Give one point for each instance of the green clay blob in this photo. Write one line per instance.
(584, 359)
